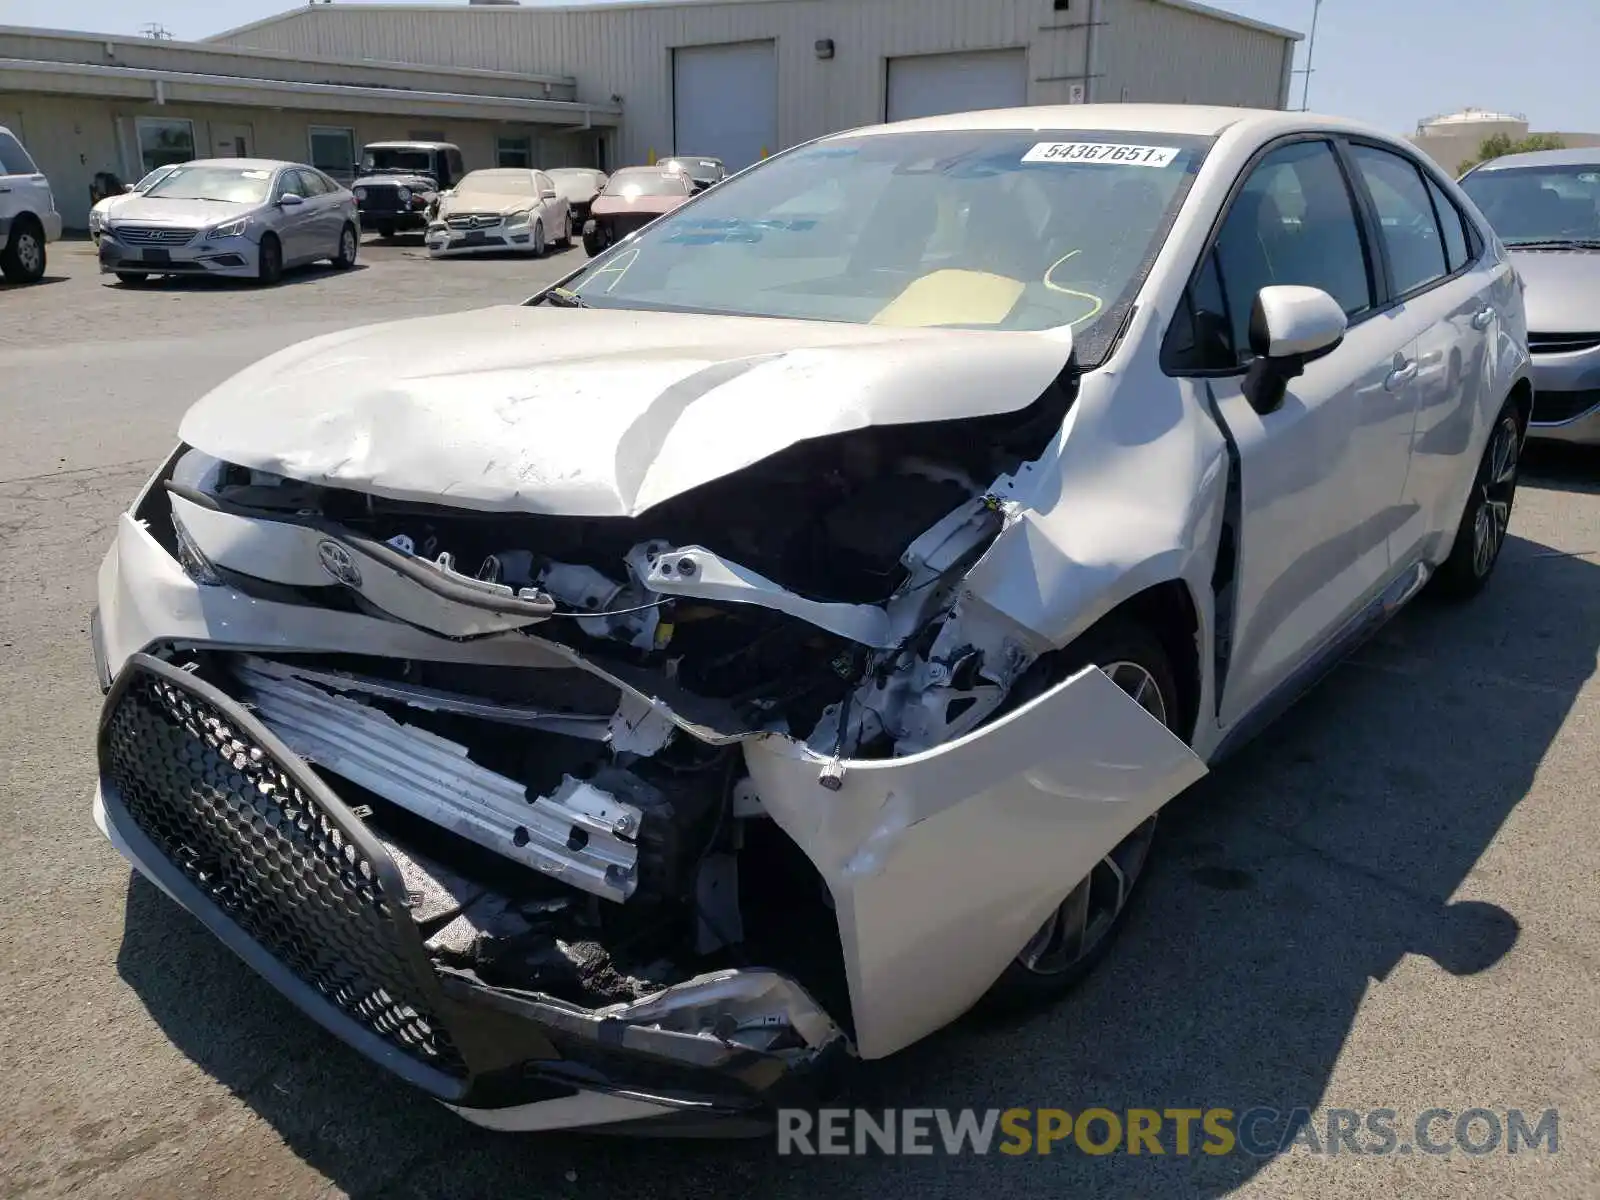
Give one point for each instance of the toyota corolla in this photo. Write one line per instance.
(781, 637)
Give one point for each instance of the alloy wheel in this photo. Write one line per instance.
(1089, 912)
(347, 246)
(1497, 487)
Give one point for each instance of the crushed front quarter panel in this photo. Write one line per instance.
(942, 864)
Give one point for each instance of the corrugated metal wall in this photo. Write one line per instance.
(1149, 51)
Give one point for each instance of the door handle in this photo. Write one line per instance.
(1481, 318)
(1401, 376)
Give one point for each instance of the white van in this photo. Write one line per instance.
(28, 216)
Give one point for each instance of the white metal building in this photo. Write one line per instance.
(601, 85)
(739, 78)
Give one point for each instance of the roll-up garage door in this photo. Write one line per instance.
(929, 85)
(725, 101)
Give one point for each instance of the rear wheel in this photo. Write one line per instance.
(1080, 931)
(565, 241)
(269, 269)
(23, 259)
(386, 230)
(348, 248)
(1482, 533)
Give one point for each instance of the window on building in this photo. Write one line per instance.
(333, 151)
(513, 152)
(1405, 215)
(165, 140)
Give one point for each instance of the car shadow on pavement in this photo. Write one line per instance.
(292, 277)
(1290, 880)
(7, 286)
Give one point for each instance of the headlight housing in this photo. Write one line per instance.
(361, 193)
(230, 229)
(95, 221)
(518, 218)
(404, 193)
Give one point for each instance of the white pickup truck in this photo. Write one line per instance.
(28, 217)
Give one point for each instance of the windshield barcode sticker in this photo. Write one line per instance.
(1102, 152)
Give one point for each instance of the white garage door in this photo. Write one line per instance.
(725, 101)
(929, 85)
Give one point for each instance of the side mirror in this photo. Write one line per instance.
(547, 194)
(127, 187)
(1290, 326)
(290, 200)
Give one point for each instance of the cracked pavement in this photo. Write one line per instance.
(1390, 900)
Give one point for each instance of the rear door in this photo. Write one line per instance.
(1442, 294)
(1320, 477)
(323, 195)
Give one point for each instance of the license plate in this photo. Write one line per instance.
(151, 254)
(476, 238)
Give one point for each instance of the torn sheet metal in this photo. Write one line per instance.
(942, 864)
(518, 409)
(433, 778)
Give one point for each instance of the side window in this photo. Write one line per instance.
(1456, 251)
(1405, 217)
(313, 183)
(453, 161)
(292, 184)
(14, 159)
(1201, 335)
(1293, 222)
(543, 182)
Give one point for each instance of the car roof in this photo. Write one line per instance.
(574, 171)
(1579, 156)
(410, 145)
(1195, 120)
(501, 172)
(243, 164)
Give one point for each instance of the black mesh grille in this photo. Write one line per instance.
(270, 856)
(380, 199)
(1550, 407)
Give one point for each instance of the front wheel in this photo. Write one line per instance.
(538, 239)
(269, 269)
(1076, 936)
(1482, 533)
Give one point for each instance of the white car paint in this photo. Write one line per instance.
(25, 199)
(942, 859)
(499, 209)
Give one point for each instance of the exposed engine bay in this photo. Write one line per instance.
(559, 834)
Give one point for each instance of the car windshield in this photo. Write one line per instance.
(496, 183)
(1539, 204)
(696, 168)
(392, 160)
(998, 229)
(153, 178)
(236, 185)
(645, 183)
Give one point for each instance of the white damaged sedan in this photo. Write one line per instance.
(752, 654)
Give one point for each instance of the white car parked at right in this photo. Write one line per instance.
(28, 216)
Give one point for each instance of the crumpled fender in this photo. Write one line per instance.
(943, 864)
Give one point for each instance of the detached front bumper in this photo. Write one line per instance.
(234, 257)
(206, 802)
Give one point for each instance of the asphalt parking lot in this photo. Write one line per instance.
(1389, 901)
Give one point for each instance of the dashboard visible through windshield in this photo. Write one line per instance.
(1008, 230)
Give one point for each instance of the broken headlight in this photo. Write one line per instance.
(192, 559)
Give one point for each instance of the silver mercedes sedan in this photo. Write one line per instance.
(246, 218)
(1545, 206)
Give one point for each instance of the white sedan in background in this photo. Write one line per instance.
(781, 635)
(503, 208)
(103, 208)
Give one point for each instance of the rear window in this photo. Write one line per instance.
(647, 183)
(14, 159)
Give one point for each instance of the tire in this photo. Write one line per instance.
(1482, 533)
(565, 241)
(592, 245)
(133, 278)
(269, 268)
(386, 230)
(1053, 962)
(24, 258)
(349, 247)
(539, 247)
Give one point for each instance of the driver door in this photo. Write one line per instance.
(1321, 478)
(296, 224)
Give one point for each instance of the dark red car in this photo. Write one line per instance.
(632, 198)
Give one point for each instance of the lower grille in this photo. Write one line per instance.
(1550, 408)
(278, 855)
(152, 235)
(1562, 343)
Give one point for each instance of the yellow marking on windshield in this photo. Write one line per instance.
(1095, 302)
(615, 270)
(952, 297)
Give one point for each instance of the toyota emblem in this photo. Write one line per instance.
(339, 563)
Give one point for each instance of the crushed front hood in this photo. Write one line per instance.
(594, 412)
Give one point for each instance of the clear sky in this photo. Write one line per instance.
(1390, 62)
